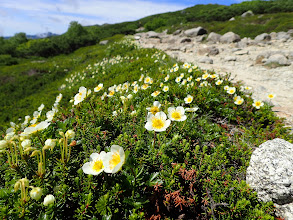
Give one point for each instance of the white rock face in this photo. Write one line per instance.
(270, 174)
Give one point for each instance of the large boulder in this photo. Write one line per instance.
(214, 37)
(270, 174)
(247, 14)
(230, 37)
(262, 37)
(283, 36)
(278, 59)
(177, 32)
(195, 32)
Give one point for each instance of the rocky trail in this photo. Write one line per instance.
(264, 63)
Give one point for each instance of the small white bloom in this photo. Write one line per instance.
(188, 99)
(157, 122)
(36, 193)
(96, 164)
(114, 159)
(49, 199)
(177, 114)
(155, 108)
(70, 134)
(26, 143)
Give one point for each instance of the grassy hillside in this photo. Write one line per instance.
(159, 139)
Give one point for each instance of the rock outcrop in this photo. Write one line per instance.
(270, 174)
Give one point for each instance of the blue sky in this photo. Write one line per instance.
(33, 17)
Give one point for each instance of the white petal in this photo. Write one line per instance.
(149, 126)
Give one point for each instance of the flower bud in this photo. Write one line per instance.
(16, 186)
(3, 144)
(70, 134)
(26, 143)
(49, 199)
(36, 193)
(27, 150)
(50, 143)
(34, 153)
(24, 181)
(73, 143)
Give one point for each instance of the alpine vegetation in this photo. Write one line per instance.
(142, 136)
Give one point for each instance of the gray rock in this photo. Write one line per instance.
(206, 60)
(104, 42)
(214, 37)
(212, 50)
(278, 59)
(195, 32)
(185, 40)
(270, 174)
(230, 58)
(262, 37)
(230, 37)
(290, 31)
(177, 32)
(200, 38)
(241, 52)
(273, 35)
(232, 19)
(284, 36)
(152, 34)
(247, 14)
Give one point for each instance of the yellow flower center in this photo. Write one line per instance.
(271, 96)
(157, 123)
(111, 93)
(176, 115)
(154, 110)
(98, 165)
(114, 160)
(189, 99)
(258, 103)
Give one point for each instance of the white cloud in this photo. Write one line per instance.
(32, 16)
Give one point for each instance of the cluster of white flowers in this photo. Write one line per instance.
(110, 162)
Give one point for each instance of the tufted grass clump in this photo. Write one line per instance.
(143, 137)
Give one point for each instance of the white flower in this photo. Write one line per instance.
(205, 76)
(188, 99)
(99, 87)
(155, 93)
(70, 134)
(157, 122)
(34, 128)
(167, 78)
(3, 144)
(239, 100)
(257, 104)
(133, 113)
(155, 108)
(58, 98)
(50, 143)
(36, 193)
(231, 90)
(80, 96)
(49, 199)
(41, 107)
(114, 113)
(130, 96)
(26, 143)
(114, 159)
(219, 82)
(144, 86)
(96, 164)
(178, 79)
(194, 109)
(226, 87)
(148, 80)
(176, 114)
(166, 88)
(271, 95)
(50, 115)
